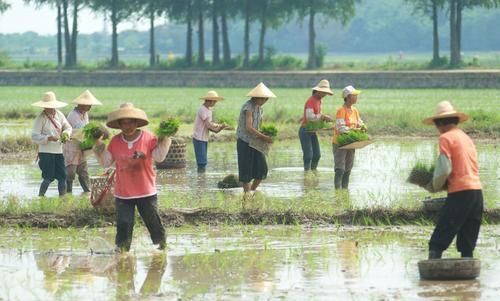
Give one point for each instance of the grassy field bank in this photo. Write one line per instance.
(387, 112)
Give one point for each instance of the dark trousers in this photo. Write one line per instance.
(310, 149)
(52, 167)
(251, 163)
(461, 216)
(125, 213)
(83, 176)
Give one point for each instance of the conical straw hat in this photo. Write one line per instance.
(323, 86)
(127, 110)
(444, 109)
(261, 91)
(86, 98)
(49, 101)
(212, 95)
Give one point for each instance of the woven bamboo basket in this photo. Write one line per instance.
(102, 188)
(176, 157)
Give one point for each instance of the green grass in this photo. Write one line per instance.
(385, 111)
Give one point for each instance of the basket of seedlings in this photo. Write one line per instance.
(353, 139)
(320, 125)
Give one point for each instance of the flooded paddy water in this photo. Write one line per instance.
(237, 263)
(377, 180)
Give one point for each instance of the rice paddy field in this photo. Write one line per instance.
(272, 249)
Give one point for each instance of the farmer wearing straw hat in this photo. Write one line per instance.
(312, 112)
(74, 159)
(50, 131)
(347, 119)
(252, 162)
(133, 151)
(202, 126)
(457, 167)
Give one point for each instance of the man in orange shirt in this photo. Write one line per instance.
(456, 167)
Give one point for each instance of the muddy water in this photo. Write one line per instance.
(237, 263)
(378, 177)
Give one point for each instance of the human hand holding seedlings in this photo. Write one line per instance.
(326, 118)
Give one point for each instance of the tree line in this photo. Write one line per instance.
(220, 14)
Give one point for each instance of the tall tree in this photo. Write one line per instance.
(431, 8)
(456, 8)
(247, 13)
(118, 11)
(182, 12)
(152, 9)
(340, 10)
(200, 7)
(226, 48)
(215, 33)
(70, 38)
(3, 6)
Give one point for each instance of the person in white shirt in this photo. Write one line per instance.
(74, 158)
(50, 131)
(202, 126)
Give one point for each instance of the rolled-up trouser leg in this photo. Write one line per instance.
(71, 172)
(83, 176)
(339, 175)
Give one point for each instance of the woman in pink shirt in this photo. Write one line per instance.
(133, 151)
(203, 125)
(456, 171)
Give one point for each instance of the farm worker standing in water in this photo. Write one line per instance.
(346, 119)
(457, 168)
(74, 159)
(252, 163)
(312, 112)
(50, 131)
(202, 126)
(133, 151)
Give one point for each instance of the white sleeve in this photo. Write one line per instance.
(103, 156)
(341, 126)
(36, 132)
(310, 116)
(161, 150)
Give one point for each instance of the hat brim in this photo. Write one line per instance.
(324, 90)
(216, 98)
(461, 117)
(137, 114)
(55, 104)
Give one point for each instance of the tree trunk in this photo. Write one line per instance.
(114, 36)
(152, 52)
(189, 35)
(67, 38)
(225, 37)
(246, 43)
(215, 35)
(201, 40)
(59, 35)
(74, 33)
(311, 61)
(454, 56)
(435, 32)
(263, 27)
(459, 30)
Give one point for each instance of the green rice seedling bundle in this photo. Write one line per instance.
(351, 137)
(91, 132)
(317, 125)
(269, 130)
(421, 174)
(64, 137)
(227, 121)
(168, 127)
(229, 181)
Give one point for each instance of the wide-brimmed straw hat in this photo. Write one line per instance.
(127, 111)
(212, 95)
(323, 86)
(86, 98)
(49, 101)
(444, 109)
(261, 91)
(350, 90)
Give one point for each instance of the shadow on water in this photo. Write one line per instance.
(234, 263)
